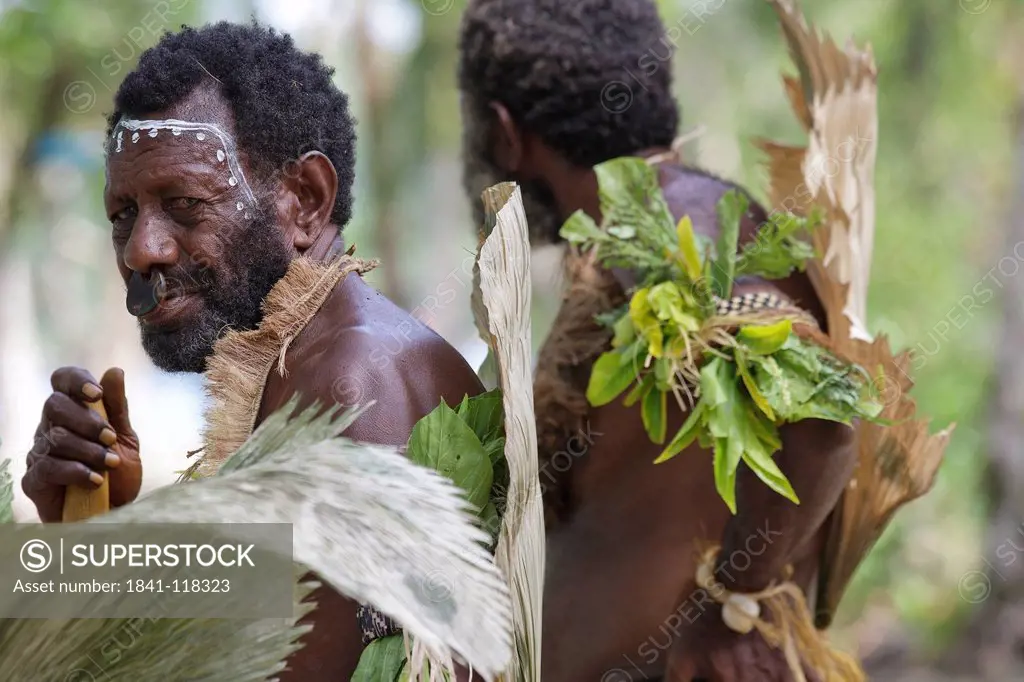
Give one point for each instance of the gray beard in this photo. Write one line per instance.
(233, 295)
(479, 172)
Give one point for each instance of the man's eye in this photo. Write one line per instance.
(179, 203)
(124, 214)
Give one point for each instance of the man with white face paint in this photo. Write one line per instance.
(230, 161)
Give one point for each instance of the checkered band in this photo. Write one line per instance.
(374, 624)
(750, 303)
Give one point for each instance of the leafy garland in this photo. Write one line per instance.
(739, 377)
(467, 445)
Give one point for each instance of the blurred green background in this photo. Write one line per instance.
(941, 595)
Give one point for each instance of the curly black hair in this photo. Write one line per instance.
(283, 100)
(583, 75)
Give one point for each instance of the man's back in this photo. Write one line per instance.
(620, 500)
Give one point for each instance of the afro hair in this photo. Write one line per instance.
(572, 72)
(283, 100)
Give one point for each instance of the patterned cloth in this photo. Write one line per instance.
(748, 303)
(374, 624)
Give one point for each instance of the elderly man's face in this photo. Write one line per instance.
(181, 203)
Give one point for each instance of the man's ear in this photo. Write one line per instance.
(507, 140)
(306, 198)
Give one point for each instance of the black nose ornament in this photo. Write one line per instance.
(144, 294)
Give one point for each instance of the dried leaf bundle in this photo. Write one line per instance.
(835, 98)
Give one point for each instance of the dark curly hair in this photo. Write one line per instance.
(283, 100)
(578, 73)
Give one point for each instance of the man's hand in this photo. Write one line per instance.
(74, 446)
(710, 652)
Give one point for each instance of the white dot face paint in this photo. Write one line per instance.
(120, 134)
(228, 152)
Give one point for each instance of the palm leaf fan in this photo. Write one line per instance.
(369, 522)
(6, 491)
(835, 98)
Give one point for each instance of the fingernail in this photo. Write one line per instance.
(92, 391)
(96, 478)
(108, 437)
(112, 460)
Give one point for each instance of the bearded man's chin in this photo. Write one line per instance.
(538, 202)
(541, 215)
(181, 350)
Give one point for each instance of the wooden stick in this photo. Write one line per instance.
(80, 503)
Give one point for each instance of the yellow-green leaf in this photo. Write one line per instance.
(640, 390)
(633, 355)
(609, 377)
(580, 228)
(728, 452)
(646, 322)
(755, 392)
(676, 347)
(654, 411)
(656, 342)
(664, 368)
(686, 435)
(669, 304)
(624, 332)
(714, 377)
(765, 339)
(766, 432)
(622, 231)
(688, 248)
(731, 208)
(664, 299)
(640, 308)
(768, 471)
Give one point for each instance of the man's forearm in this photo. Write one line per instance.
(818, 458)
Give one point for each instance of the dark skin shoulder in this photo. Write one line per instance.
(695, 194)
(361, 347)
(644, 524)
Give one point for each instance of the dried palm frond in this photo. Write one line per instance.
(501, 309)
(366, 520)
(835, 98)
